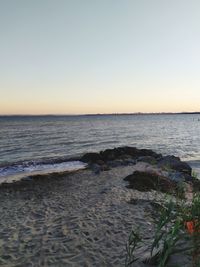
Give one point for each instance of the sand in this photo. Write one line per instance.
(74, 219)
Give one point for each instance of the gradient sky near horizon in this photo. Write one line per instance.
(106, 56)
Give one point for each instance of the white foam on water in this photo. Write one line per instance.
(15, 173)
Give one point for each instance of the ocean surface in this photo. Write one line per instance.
(44, 144)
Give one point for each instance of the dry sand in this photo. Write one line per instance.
(78, 219)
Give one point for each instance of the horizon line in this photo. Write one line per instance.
(104, 114)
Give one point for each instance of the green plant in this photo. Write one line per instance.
(181, 190)
(167, 233)
(178, 222)
(133, 242)
(195, 174)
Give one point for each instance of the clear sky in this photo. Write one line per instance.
(99, 56)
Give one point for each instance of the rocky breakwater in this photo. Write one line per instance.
(151, 171)
(120, 156)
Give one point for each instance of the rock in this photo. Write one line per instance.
(96, 168)
(179, 177)
(144, 181)
(148, 159)
(105, 167)
(109, 154)
(174, 163)
(130, 155)
(115, 163)
(125, 157)
(129, 161)
(120, 153)
(100, 162)
(135, 152)
(151, 153)
(90, 157)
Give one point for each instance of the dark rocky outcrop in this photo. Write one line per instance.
(179, 176)
(174, 163)
(91, 157)
(148, 159)
(121, 156)
(144, 181)
(177, 170)
(120, 153)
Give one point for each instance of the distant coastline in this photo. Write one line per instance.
(101, 114)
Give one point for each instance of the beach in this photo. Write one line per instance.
(99, 133)
(82, 218)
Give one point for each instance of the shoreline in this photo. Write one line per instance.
(24, 169)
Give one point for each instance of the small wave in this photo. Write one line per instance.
(17, 172)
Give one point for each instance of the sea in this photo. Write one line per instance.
(32, 145)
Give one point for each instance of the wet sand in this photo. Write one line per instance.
(76, 219)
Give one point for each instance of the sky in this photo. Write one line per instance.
(99, 56)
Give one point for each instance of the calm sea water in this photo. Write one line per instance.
(40, 144)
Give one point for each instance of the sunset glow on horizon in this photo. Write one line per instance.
(82, 57)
